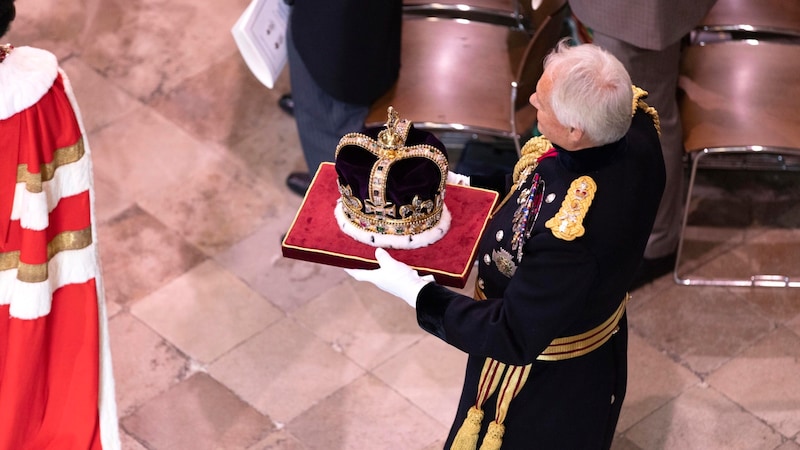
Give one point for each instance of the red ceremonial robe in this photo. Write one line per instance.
(56, 380)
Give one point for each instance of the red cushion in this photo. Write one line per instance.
(315, 236)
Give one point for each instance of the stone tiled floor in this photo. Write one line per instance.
(220, 343)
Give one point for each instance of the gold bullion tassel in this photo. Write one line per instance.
(514, 380)
(494, 436)
(467, 436)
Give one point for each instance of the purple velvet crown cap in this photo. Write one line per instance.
(392, 183)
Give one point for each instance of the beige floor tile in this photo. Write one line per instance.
(430, 374)
(206, 312)
(703, 244)
(622, 443)
(731, 264)
(139, 255)
(216, 207)
(129, 443)
(41, 24)
(198, 414)
(101, 102)
(143, 152)
(159, 54)
(366, 414)
(653, 380)
(109, 202)
(702, 327)
(438, 445)
(764, 380)
(145, 365)
(113, 308)
(778, 305)
(272, 154)
(365, 323)
(776, 257)
(287, 283)
(794, 325)
(701, 418)
(242, 105)
(279, 440)
(284, 370)
(789, 445)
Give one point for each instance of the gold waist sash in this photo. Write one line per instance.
(580, 344)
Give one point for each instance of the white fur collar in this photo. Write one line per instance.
(407, 242)
(25, 76)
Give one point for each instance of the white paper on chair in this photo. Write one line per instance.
(260, 35)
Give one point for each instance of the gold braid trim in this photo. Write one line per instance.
(638, 103)
(530, 153)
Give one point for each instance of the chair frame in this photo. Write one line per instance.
(698, 156)
(757, 280)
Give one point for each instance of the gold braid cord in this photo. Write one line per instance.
(530, 153)
(638, 103)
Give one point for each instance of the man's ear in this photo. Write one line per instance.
(577, 137)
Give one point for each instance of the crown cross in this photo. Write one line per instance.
(390, 138)
(380, 210)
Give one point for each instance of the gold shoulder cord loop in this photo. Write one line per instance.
(639, 103)
(530, 153)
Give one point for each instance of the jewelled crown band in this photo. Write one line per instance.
(392, 185)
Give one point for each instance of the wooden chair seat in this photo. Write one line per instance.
(511, 13)
(738, 99)
(761, 16)
(458, 76)
(736, 94)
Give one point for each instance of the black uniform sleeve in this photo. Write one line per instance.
(546, 295)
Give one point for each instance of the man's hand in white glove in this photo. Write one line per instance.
(393, 277)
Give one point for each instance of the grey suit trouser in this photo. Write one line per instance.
(321, 119)
(656, 71)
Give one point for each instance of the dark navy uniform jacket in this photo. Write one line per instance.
(558, 288)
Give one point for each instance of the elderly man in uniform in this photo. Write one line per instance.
(546, 332)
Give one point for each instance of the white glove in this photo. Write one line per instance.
(393, 277)
(457, 178)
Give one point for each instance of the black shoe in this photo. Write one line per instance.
(652, 268)
(286, 103)
(298, 182)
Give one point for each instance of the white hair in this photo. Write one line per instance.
(591, 91)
